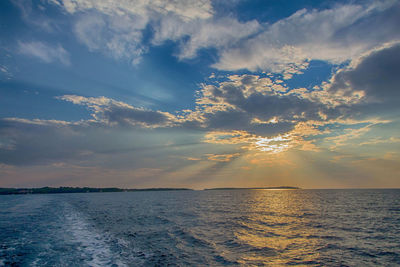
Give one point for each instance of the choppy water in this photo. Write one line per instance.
(199, 228)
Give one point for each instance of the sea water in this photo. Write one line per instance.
(202, 228)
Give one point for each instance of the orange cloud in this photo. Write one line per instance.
(222, 157)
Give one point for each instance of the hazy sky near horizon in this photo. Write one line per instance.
(200, 93)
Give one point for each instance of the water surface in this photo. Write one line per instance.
(198, 228)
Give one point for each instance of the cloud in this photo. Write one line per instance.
(365, 91)
(376, 74)
(116, 113)
(380, 141)
(217, 33)
(44, 52)
(85, 143)
(118, 36)
(243, 101)
(256, 143)
(32, 18)
(251, 111)
(116, 29)
(338, 34)
(187, 9)
(5, 72)
(222, 157)
(349, 134)
(246, 112)
(37, 141)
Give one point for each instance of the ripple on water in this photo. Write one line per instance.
(206, 228)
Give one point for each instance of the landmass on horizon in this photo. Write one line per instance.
(242, 188)
(58, 190)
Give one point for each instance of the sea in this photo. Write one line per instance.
(202, 228)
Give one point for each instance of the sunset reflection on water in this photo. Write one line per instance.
(276, 228)
(204, 228)
(304, 227)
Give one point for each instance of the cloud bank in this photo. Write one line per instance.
(338, 34)
(250, 111)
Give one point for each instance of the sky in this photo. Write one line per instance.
(200, 93)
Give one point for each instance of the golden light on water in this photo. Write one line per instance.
(275, 227)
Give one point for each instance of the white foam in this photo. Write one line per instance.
(92, 244)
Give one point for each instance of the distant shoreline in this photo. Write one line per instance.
(60, 190)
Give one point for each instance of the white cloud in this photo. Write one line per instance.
(218, 33)
(45, 52)
(340, 33)
(186, 9)
(89, 31)
(5, 72)
(117, 36)
(116, 27)
(333, 35)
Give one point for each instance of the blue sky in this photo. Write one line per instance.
(199, 93)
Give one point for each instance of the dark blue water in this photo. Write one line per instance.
(199, 228)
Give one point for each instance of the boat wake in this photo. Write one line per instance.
(94, 247)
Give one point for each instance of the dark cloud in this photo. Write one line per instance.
(250, 104)
(379, 25)
(283, 106)
(240, 120)
(378, 76)
(264, 105)
(129, 116)
(88, 143)
(42, 142)
(38, 143)
(118, 113)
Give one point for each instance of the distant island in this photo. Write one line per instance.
(57, 190)
(242, 188)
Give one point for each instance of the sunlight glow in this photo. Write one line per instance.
(274, 145)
